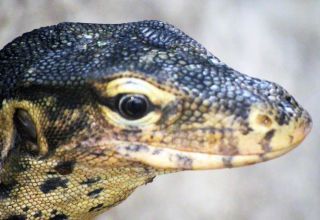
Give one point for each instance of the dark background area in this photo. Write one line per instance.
(274, 40)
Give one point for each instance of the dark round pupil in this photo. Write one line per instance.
(133, 106)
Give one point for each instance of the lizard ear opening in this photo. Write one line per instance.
(26, 131)
(20, 130)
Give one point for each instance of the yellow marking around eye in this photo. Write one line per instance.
(131, 85)
(137, 86)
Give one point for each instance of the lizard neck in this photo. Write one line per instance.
(66, 188)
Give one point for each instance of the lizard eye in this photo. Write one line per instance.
(133, 107)
(130, 103)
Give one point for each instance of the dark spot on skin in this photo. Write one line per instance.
(227, 161)
(98, 139)
(132, 130)
(184, 162)
(25, 209)
(230, 149)
(265, 146)
(52, 184)
(59, 217)
(263, 157)
(269, 135)
(95, 193)
(65, 167)
(6, 188)
(150, 180)
(38, 214)
(156, 152)
(282, 119)
(91, 181)
(291, 139)
(245, 128)
(16, 217)
(147, 170)
(96, 208)
(265, 142)
(98, 153)
(20, 167)
(168, 112)
(137, 148)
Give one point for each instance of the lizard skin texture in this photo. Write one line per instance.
(89, 112)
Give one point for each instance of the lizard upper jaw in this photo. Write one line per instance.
(166, 158)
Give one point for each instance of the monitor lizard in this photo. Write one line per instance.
(89, 112)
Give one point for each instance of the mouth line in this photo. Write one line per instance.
(167, 158)
(164, 158)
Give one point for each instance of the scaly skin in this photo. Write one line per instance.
(69, 149)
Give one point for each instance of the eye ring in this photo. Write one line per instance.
(133, 106)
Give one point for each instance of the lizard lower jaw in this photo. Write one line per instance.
(166, 158)
(174, 159)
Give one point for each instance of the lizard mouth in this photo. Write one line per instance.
(168, 158)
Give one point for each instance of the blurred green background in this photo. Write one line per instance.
(274, 40)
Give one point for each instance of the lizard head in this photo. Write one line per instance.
(220, 119)
(87, 105)
(171, 104)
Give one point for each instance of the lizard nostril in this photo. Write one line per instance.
(288, 99)
(291, 100)
(264, 120)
